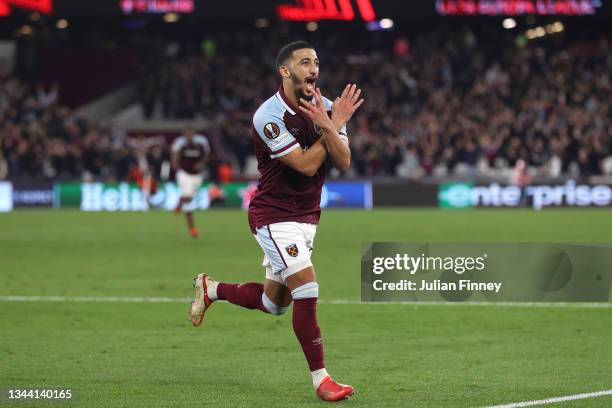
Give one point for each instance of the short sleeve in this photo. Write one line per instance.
(203, 140)
(272, 130)
(178, 143)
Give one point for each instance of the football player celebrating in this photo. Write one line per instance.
(295, 130)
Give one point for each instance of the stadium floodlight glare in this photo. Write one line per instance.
(171, 17)
(386, 23)
(509, 23)
(62, 24)
(557, 27)
(312, 26)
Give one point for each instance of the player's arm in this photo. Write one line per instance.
(174, 154)
(342, 111)
(306, 161)
(282, 146)
(345, 106)
(174, 160)
(336, 144)
(338, 149)
(201, 164)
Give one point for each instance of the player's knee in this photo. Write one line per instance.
(272, 307)
(307, 290)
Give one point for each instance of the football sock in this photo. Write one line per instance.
(247, 295)
(189, 216)
(318, 376)
(211, 288)
(305, 324)
(182, 201)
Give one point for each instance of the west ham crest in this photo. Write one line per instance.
(292, 250)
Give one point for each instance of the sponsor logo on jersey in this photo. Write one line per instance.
(271, 130)
(191, 153)
(292, 250)
(294, 131)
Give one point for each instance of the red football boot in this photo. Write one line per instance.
(329, 390)
(193, 232)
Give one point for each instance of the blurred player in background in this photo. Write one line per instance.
(145, 173)
(294, 132)
(189, 157)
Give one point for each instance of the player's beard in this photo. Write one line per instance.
(297, 86)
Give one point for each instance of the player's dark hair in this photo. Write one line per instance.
(287, 51)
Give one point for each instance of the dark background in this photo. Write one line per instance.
(264, 8)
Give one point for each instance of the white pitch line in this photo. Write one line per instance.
(165, 299)
(553, 400)
(103, 299)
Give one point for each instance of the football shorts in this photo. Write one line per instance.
(287, 247)
(188, 183)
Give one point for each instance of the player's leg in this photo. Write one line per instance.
(181, 181)
(195, 181)
(301, 280)
(143, 166)
(305, 292)
(179, 205)
(193, 231)
(185, 189)
(278, 295)
(188, 187)
(271, 297)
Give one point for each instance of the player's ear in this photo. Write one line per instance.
(284, 71)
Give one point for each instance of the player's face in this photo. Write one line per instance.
(304, 69)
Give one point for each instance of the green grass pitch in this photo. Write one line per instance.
(119, 354)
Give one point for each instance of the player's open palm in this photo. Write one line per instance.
(316, 111)
(345, 105)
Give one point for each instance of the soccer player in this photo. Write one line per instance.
(145, 173)
(189, 155)
(294, 132)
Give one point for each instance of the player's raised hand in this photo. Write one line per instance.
(317, 111)
(345, 105)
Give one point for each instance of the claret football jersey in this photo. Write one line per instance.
(284, 194)
(191, 152)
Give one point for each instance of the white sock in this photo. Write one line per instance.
(318, 376)
(211, 286)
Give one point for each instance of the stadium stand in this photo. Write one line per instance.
(430, 111)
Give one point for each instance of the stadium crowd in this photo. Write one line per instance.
(441, 103)
(41, 138)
